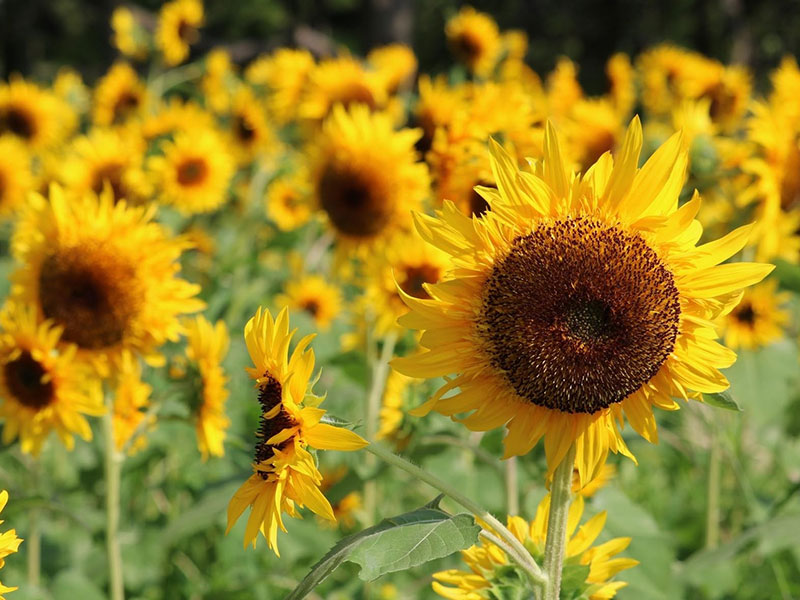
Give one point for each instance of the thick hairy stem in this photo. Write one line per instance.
(113, 475)
(555, 546)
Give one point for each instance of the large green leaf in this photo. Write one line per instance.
(396, 544)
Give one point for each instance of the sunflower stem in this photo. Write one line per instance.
(520, 554)
(555, 545)
(33, 541)
(512, 486)
(113, 476)
(712, 510)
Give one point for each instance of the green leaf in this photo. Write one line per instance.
(73, 584)
(722, 400)
(395, 544)
(573, 580)
(788, 274)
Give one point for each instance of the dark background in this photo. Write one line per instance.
(37, 36)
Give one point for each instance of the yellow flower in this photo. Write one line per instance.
(474, 39)
(104, 273)
(195, 171)
(563, 89)
(592, 129)
(576, 301)
(606, 474)
(175, 116)
(178, 22)
(489, 566)
(758, 319)
(347, 506)
(131, 401)
(127, 34)
(207, 346)
(392, 409)
(622, 84)
(395, 63)
(365, 176)
(288, 200)
(344, 81)
(16, 179)
(438, 106)
(249, 130)
(118, 96)
(284, 73)
(314, 295)
(285, 473)
(41, 387)
(9, 543)
(218, 80)
(36, 116)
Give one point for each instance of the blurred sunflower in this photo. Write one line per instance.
(593, 129)
(576, 301)
(195, 171)
(365, 176)
(128, 36)
(288, 200)
(104, 273)
(9, 543)
(622, 84)
(207, 346)
(178, 22)
(392, 408)
(284, 73)
(438, 105)
(474, 39)
(131, 401)
(285, 473)
(118, 96)
(396, 64)
(34, 115)
(218, 80)
(175, 116)
(562, 88)
(313, 295)
(249, 130)
(41, 386)
(490, 569)
(16, 179)
(342, 80)
(758, 319)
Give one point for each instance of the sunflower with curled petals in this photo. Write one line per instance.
(490, 568)
(285, 473)
(9, 543)
(575, 302)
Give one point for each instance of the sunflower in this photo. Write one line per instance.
(174, 116)
(194, 172)
(474, 39)
(16, 179)
(592, 129)
(576, 301)
(178, 22)
(249, 130)
(41, 387)
(288, 200)
(207, 346)
(438, 106)
(758, 319)
(9, 543)
(104, 273)
(36, 116)
(392, 409)
(218, 80)
(118, 96)
(490, 568)
(131, 401)
(562, 87)
(622, 84)
(284, 73)
(128, 36)
(395, 63)
(285, 473)
(365, 176)
(346, 507)
(315, 296)
(110, 157)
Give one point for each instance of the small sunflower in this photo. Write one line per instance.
(195, 171)
(36, 116)
(758, 319)
(288, 200)
(438, 106)
(131, 401)
(175, 116)
(474, 39)
(562, 87)
(490, 568)
(41, 387)
(392, 408)
(249, 129)
(16, 179)
(365, 176)
(176, 31)
(593, 129)
(347, 506)
(396, 64)
(9, 544)
(104, 273)
(128, 36)
(576, 301)
(285, 473)
(118, 96)
(314, 295)
(207, 346)
(218, 80)
(284, 73)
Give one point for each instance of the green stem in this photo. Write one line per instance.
(113, 475)
(33, 541)
(512, 486)
(521, 554)
(555, 546)
(712, 510)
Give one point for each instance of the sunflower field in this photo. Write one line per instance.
(320, 324)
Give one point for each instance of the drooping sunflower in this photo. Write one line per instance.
(315, 296)
(118, 96)
(16, 179)
(131, 401)
(9, 543)
(285, 473)
(474, 39)
(128, 36)
(365, 176)
(176, 31)
(206, 347)
(194, 172)
(104, 273)
(288, 200)
(490, 568)
(36, 116)
(758, 319)
(42, 389)
(576, 301)
(284, 73)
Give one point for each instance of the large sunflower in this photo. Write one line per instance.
(576, 301)
(42, 389)
(177, 29)
(103, 272)
(365, 176)
(9, 543)
(16, 179)
(285, 472)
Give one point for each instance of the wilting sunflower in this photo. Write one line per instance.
(490, 568)
(9, 543)
(285, 473)
(314, 295)
(288, 200)
(178, 22)
(195, 171)
(118, 96)
(576, 301)
(42, 389)
(206, 347)
(131, 401)
(758, 319)
(366, 178)
(36, 116)
(474, 39)
(284, 73)
(105, 273)
(16, 179)
(128, 37)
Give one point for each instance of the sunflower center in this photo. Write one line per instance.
(187, 32)
(91, 294)
(417, 275)
(579, 315)
(2, 186)
(467, 47)
(357, 93)
(112, 174)
(311, 307)
(126, 103)
(744, 313)
(353, 203)
(25, 381)
(244, 131)
(192, 171)
(270, 395)
(18, 121)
